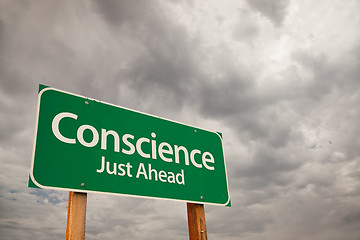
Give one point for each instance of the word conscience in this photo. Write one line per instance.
(131, 145)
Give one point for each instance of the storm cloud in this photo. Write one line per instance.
(279, 79)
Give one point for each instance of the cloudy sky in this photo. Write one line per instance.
(279, 78)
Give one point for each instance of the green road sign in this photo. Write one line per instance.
(86, 145)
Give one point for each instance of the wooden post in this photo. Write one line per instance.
(76, 218)
(196, 221)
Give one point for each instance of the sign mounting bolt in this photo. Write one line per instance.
(202, 197)
(86, 102)
(195, 131)
(82, 184)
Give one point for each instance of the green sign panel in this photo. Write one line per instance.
(86, 145)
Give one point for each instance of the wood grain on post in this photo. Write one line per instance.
(76, 218)
(196, 221)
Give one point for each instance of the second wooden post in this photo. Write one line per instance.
(196, 221)
(76, 219)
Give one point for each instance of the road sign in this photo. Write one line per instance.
(86, 145)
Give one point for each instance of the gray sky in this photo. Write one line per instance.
(279, 79)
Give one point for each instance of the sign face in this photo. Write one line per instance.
(86, 145)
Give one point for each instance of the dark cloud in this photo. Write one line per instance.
(275, 10)
(167, 65)
(122, 12)
(163, 63)
(254, 112)
(268, 168)
(253, 220)
(226, 97)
